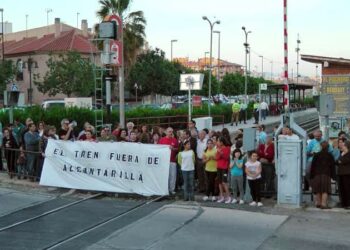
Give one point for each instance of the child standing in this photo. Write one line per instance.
(209, 158)
(236, 167)
(253, 171)
(222, 164)
(21, 166)
(186, 160)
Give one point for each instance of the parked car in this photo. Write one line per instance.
(53, 103)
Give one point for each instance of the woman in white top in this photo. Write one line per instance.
(253, 171)
(186, 160)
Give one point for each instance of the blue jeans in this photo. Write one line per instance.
(188, 177)
(31, 164)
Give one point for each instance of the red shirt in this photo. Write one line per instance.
(267, 152)
(223, 157)
(172, 142)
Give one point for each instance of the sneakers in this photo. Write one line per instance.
(228, 200)
(220, 200)
(253, 203)
(260, 204)
(213, 198)
(205, 198)
(241, 202)
(234, 201)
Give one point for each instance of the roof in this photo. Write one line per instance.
(322, 59)
(66, 41)
(226, 63)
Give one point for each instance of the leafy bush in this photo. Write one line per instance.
(150, 116)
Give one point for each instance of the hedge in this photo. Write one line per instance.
(53, 116)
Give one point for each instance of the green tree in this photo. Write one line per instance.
(232, 84)
(133, 27)
(68, 74)
(7, 73)
(154, 73)
(205, 88)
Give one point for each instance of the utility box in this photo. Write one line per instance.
(204, 122)
(289, 173)
(249, 139)
(326, 105)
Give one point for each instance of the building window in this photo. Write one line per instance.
(19, 70)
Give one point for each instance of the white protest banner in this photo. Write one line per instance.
(120, 167)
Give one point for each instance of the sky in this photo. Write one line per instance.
(322, 25)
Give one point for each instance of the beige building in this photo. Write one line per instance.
(37, 45)
(220, 67)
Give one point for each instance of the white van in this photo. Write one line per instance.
(52, 103)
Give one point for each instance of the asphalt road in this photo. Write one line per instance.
(120, 223)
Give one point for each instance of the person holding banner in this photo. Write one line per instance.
(170, 140)
(186, 160)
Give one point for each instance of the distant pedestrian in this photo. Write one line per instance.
(235, 113)
(31, 140)
(264, 109)
(253, 172)
(186, 160)
(256, 112)
(242, 112)
(236, 171)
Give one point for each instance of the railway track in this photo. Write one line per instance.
(310, 125)
(62, 223)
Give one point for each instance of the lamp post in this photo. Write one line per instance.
(271, 69)
(47, 18)
(297, 50)
(205, 59)
(219, 38)
(210, 59)
(171, 49)
(30, 64)
(136, 87)
(2, 35)
(26, 25)
(78, 20)
(246, 45)
(262, 66)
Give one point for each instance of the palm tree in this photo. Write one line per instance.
(133, 27)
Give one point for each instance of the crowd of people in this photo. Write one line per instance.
(207, 162)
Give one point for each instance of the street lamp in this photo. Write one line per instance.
(210, 55)
(2, 35)
(47, 18)
(31, 64)
(219, 38)
(246, 45)
(78, 20)
(26, 25)
(136, 87)
(171, 49)
(297, 50)
(205, 59)
(262, 66)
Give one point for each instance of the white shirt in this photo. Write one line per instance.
(187, 160)
(264, 106)
(253, 167)
(289, 137)
(201, 146)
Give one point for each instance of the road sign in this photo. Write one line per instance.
(14, 87)
(263, 86)
(196, 101)
(116, 52)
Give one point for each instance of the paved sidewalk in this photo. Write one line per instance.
(269, 120)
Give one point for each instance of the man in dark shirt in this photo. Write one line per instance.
(66, 131)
